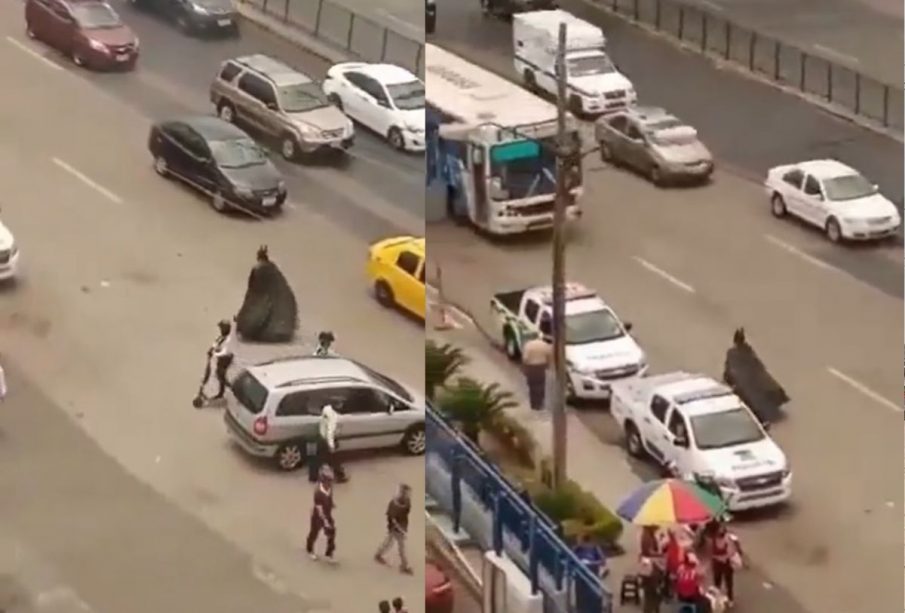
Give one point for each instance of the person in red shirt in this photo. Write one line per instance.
(725, 556)
(675, 552)
(322, 515)
(688, 581)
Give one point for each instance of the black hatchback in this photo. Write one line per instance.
(220, 160)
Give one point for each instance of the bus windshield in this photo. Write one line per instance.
(522, 169)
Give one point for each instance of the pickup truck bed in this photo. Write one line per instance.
(510, 300)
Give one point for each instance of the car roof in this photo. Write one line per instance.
(280, 73)
(650, 114)
(301, 370)
(826, 169)
(401, 242)
(212, 128)
(699, 395)
(388, 74)
(73, 3)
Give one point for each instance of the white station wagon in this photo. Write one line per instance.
(834, 197)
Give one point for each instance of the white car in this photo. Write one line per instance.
(385, 98)
(833, 197)
(9, 254)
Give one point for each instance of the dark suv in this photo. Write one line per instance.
(196, 16)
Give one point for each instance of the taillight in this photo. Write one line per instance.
(260, 426)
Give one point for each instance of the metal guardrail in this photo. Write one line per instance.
(361, 36)
(783, 63)
(512, 513)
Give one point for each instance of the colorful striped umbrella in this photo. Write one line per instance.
(670, 501)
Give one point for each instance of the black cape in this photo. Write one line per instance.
(269, 313)
(750, 379)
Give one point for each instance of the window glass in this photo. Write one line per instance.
(302, 97)
(257, 87)
(659, 406)
(531, 309)
(237, 153)
(250, 393)
(95, 15)
(619, 123)
(362, 400)
(294, 405)
(812, 186)
(408, 262)
(793, 178)
(407, 96)
(229, 71)
(677, 425)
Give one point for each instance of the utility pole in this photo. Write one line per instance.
(563, 151)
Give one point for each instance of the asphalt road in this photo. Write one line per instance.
(124, 276)
(687, 267)
(863, 36)
(748, 125)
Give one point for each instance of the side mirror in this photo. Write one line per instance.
(272, 106)
(628, 326)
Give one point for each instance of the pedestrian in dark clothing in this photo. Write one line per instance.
(397, 527)
(322, 515)
(725, 555)
(384, 606)
(399, 606)
(651, 587)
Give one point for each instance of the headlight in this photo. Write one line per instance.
(305, 131)
(243, 191)
(97, 45)
(200, 9)
(787, 471)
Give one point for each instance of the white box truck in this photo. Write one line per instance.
(594, 84)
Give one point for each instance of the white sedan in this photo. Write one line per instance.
(385, 98)
(9, 254)
(833, 197)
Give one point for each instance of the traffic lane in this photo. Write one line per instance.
(86, 532)
(636, 255)
(847, 32)
(102, 316)
(748, 125)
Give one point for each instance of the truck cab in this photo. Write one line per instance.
(700, 430)
(594, 84)
(599, 348)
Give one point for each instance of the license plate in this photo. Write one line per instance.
(122, 57)
(270, 201)
(224, 22)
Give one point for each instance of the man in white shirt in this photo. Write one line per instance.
(326, 441)
(222, 353)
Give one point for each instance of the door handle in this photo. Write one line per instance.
(647, 420)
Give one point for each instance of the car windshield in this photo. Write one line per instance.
(238, 153)
(407, 96)
(848, 187)
(302, 97)
(96, 16)
(384, 381)
(522, 169)
(725, 429)
(590, 65)
(249, 392)
(592, 327)
(666, 133)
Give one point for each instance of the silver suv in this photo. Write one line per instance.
(274, 408)
(280, 102)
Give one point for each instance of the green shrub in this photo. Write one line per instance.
(473, 405)
(441, 363)
(578, 511)
(517, 440)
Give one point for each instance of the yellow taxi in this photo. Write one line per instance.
(396, 271)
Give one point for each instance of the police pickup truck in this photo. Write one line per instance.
(700, 430)
(599, 348)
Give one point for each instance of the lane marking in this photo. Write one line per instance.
(854, 383)
(792, 249)
(664, 275)
(106, 193)
(845, 57)
(26, 49)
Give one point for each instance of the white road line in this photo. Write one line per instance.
(810, 259)
(106, 193)
(879, 399)
(845, 57)
(26, 49)
(664, 275)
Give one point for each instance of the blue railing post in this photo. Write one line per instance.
(532, 554)
(497, 525)
(457, 491)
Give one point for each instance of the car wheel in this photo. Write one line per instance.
(414, 441)
(226, 112)
(656, 175)
(834, 230)
(394, 136)
(218, 202)
(606, 154)
(290, 457)
(778, 206)
(633, 442)
(510, 345)
(288, 147)
(335, 101)
(384, 294)
(160, 166)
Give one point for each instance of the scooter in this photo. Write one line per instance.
(201, 399)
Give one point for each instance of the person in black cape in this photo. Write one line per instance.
(751, 380)
(269, 313)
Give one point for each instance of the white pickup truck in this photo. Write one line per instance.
(599, 348)
(700, 429)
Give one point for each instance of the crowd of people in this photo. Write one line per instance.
(674, 564)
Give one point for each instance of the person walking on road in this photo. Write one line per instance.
(725, 557)
(397, 527)
(399, 606)
(384, 606)
(322, 516)
(537, 354)
(326, 442)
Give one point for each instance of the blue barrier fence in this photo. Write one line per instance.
(542, 549)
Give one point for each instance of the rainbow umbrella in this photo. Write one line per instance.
(670, 501)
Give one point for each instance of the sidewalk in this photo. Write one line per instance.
(599, 466)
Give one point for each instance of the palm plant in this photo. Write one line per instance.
(474, 405)
(441, 363)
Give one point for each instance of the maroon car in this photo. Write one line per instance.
(88, 31)
(438, 591)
